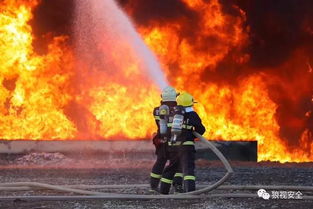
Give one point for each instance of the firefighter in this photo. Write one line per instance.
(192, 122)
(163, 117)
(181, 146)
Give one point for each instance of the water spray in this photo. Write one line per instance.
(100, 26)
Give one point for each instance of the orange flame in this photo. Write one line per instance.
(31, 95)
(43, 98)
(46, 97)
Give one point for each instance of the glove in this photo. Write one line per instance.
(156, 141)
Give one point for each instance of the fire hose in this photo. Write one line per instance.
(198, 194)
(224, 161)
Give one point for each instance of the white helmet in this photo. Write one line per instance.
(168, 94)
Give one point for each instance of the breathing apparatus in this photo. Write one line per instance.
(164, 112)
(177, 124)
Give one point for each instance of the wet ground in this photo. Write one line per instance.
(60, 169)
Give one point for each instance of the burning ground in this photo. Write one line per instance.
(248, 64)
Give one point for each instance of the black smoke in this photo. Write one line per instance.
(51, 18)
(148, 11)
(277, 29)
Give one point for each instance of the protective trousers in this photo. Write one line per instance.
(158, 166)
(187, 161)
(182, 158)
(172, 173)
(165, 153)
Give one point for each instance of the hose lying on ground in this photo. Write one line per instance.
(145, 186)
(134, 197)
(224, 161)
(52, 187)
(111, 196)
(86, 192)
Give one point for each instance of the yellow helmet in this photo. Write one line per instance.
(185, 99)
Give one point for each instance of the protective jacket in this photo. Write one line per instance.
(192, 122)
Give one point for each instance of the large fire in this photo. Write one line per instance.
(44, 96)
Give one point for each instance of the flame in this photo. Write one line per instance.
(241, 112)
(46, 97)
(49, 97)
(31, 102)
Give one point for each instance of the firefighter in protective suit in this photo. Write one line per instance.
(163, 115)
(182, 144)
